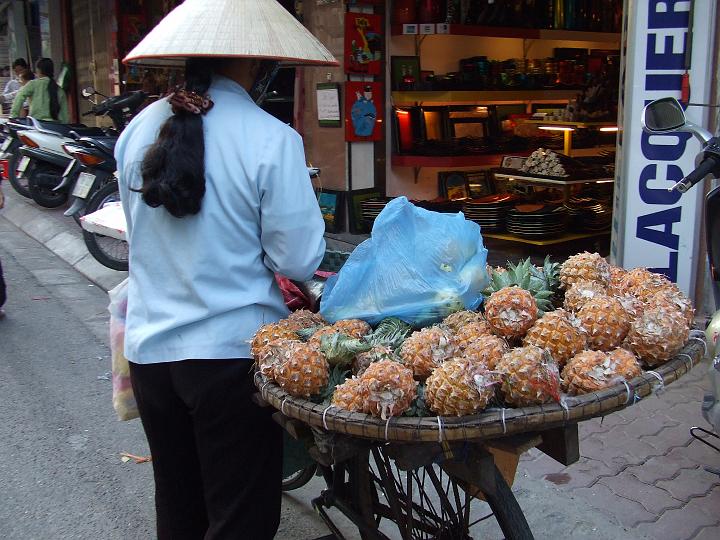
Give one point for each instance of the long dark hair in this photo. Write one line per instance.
(47, 68)
(173, 169)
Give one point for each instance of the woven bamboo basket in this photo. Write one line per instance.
(492, 423)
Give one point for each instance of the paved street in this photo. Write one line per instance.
(60, 443)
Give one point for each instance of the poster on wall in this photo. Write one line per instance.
(363, 43)
(363, 111)
(652, 226)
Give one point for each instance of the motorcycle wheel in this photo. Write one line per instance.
(43, 195)
(108, 251)
(19, 184)
(299, 479)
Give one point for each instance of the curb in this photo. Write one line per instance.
(59, 234)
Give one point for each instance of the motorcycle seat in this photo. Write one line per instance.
(106, 143)
(78, 133)
(61, 129)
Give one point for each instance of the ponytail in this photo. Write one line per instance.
(47, 68)
(173, 169)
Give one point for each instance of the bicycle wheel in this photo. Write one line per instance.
(108, 251)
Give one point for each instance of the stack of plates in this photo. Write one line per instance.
(537, 220)
(371, 208)
(590, 213)
(490, 212)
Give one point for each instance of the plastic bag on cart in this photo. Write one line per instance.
(418, 265)
(123, 398)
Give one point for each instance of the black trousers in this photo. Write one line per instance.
(3, 291)
(216, 456)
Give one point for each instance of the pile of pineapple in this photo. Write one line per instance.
(574, 328)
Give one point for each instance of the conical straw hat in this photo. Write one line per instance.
(229, 28)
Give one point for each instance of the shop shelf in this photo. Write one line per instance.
(570, 237)
(529, 179)
(488, 97)
(451, 161)
(521, 33)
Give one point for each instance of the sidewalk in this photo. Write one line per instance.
(641, 475)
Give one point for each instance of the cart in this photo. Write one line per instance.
(426, 476)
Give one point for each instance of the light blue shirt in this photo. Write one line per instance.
(200, 286)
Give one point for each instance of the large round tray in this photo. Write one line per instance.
(492, 423)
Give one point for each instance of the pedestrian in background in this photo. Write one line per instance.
(3, 291)
(13, 85)
(47, 99)
(217, 199)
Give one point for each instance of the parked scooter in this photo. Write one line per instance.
(93, 159)
(43, 160)
(9, 153)
(664, 116)
(54, 172)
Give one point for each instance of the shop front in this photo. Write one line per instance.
(512, 112)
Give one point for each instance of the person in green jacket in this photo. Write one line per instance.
(47, 99)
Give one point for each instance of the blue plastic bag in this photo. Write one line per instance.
(418, 265)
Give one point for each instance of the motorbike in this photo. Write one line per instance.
(50, 185)
(667, 115)
(93, 159)
(91, 178)
(43, 160)
(9, 153)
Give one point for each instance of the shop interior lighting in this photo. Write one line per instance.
(610, 129)
(557, 128)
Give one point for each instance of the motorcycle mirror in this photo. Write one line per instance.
(663, 115)
(88, 91)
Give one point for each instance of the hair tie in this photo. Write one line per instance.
(183, 101)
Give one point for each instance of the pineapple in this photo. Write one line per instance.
(271, 355)
(605, 323)
(658, 335)
(617, 273)
(632, 306)
(592, 371)
(350, 395)
(460, 387)
(302, 319)
(642, 283)
(354, 328)
(470, 332)
(363, 360)
(487, 350)
(303, 371)
(426, 349)
(673, 299)
(542, 285)
(266, 334)
(626, 362)
(581, 292)
(648, 288)
(511, 312)
(558, 335)
(529, 377)
(391, 389)
(459, 319)
(584, 267)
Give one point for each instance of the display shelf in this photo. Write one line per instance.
(562, 123)
(570, 237)
(488, 97)
(504, 32)
(451, 161)
(521, 177)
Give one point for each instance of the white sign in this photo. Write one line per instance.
(328, 103)
(651, 226)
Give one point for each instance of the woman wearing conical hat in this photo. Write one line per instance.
(217, 199)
